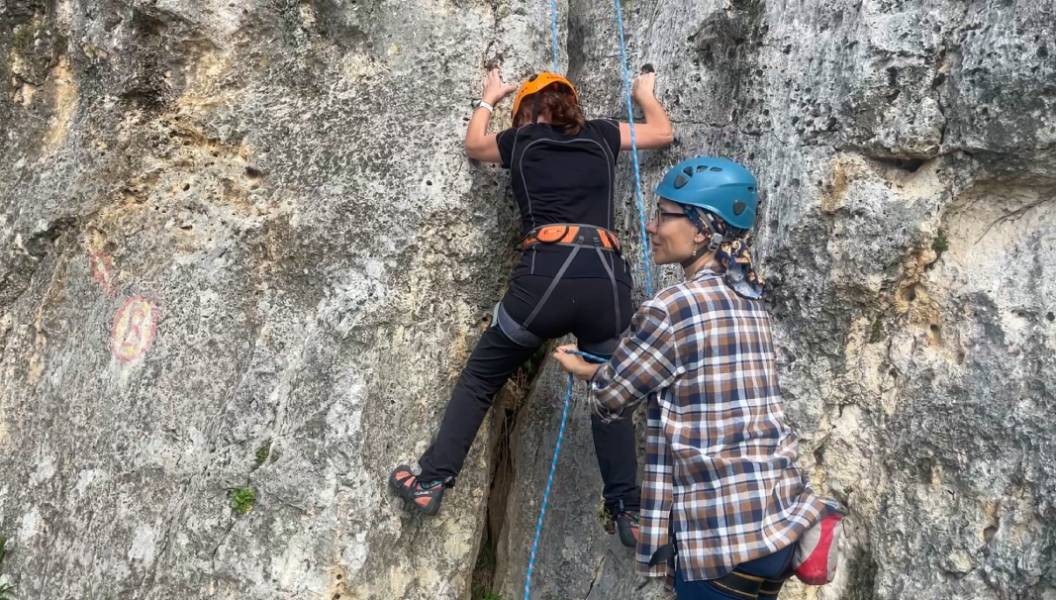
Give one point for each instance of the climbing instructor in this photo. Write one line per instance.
(571, 276)
(723, 493)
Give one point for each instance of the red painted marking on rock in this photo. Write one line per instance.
(102, 268)
(134, 328)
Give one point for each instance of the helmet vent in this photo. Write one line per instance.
(688, 171)
(716, 169)
(701, 168)
(738, 207)
(681, 181)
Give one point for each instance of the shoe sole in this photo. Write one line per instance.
(409, 503)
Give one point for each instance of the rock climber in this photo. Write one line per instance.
(571, 276)
(723, 493)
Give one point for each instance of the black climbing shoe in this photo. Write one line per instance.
(623, 521)
(424, 498)
(627, 524)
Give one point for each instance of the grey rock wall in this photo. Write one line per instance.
(906, 150)
(241, 249)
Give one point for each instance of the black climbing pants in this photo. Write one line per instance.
(596, 311)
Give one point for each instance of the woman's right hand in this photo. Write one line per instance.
(567, 356)
(656, 132)
(495, 89)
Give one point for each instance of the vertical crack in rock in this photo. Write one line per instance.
(505, 411)
(594, 579)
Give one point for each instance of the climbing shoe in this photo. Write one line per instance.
(423, 497)
(627, 525)
(623, 521)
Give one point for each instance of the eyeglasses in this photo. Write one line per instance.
(660, 214)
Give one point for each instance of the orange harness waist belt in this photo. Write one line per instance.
(567, 234)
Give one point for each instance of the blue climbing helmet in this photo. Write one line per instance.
(717, 185)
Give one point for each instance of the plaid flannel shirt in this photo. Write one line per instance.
(721, 460)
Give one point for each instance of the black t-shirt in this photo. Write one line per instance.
(560, 178)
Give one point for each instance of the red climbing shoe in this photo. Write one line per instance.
(627, 524)
(425, 498)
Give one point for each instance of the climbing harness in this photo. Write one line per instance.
(747, 586)
(568, 234)
(578, 237)
(735, 583)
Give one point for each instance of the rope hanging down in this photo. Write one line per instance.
(647, 264)
(550, 476)
(546, 491)
(553, 35)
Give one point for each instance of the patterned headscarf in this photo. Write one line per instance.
(732, 249)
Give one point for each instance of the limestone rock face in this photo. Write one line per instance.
(243, 259)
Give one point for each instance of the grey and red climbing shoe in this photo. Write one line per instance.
(425, 498)
(627, 525)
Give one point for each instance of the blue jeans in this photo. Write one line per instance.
(771, 566)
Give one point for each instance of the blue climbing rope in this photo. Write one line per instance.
(647, 265)
(594, 358)
(553, 35)
(546, 491)
(550, 475)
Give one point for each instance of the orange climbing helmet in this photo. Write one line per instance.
(536, 83)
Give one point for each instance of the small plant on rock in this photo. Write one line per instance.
(480, 593)
(243, 499)
(877, 333)
(940, 244)
(262, 454)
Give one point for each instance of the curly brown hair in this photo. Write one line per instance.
(559, 102)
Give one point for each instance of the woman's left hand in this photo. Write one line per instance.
(643, 88)
(573, 363)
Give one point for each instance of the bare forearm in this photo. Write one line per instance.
(656, 117)
(476, 132)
